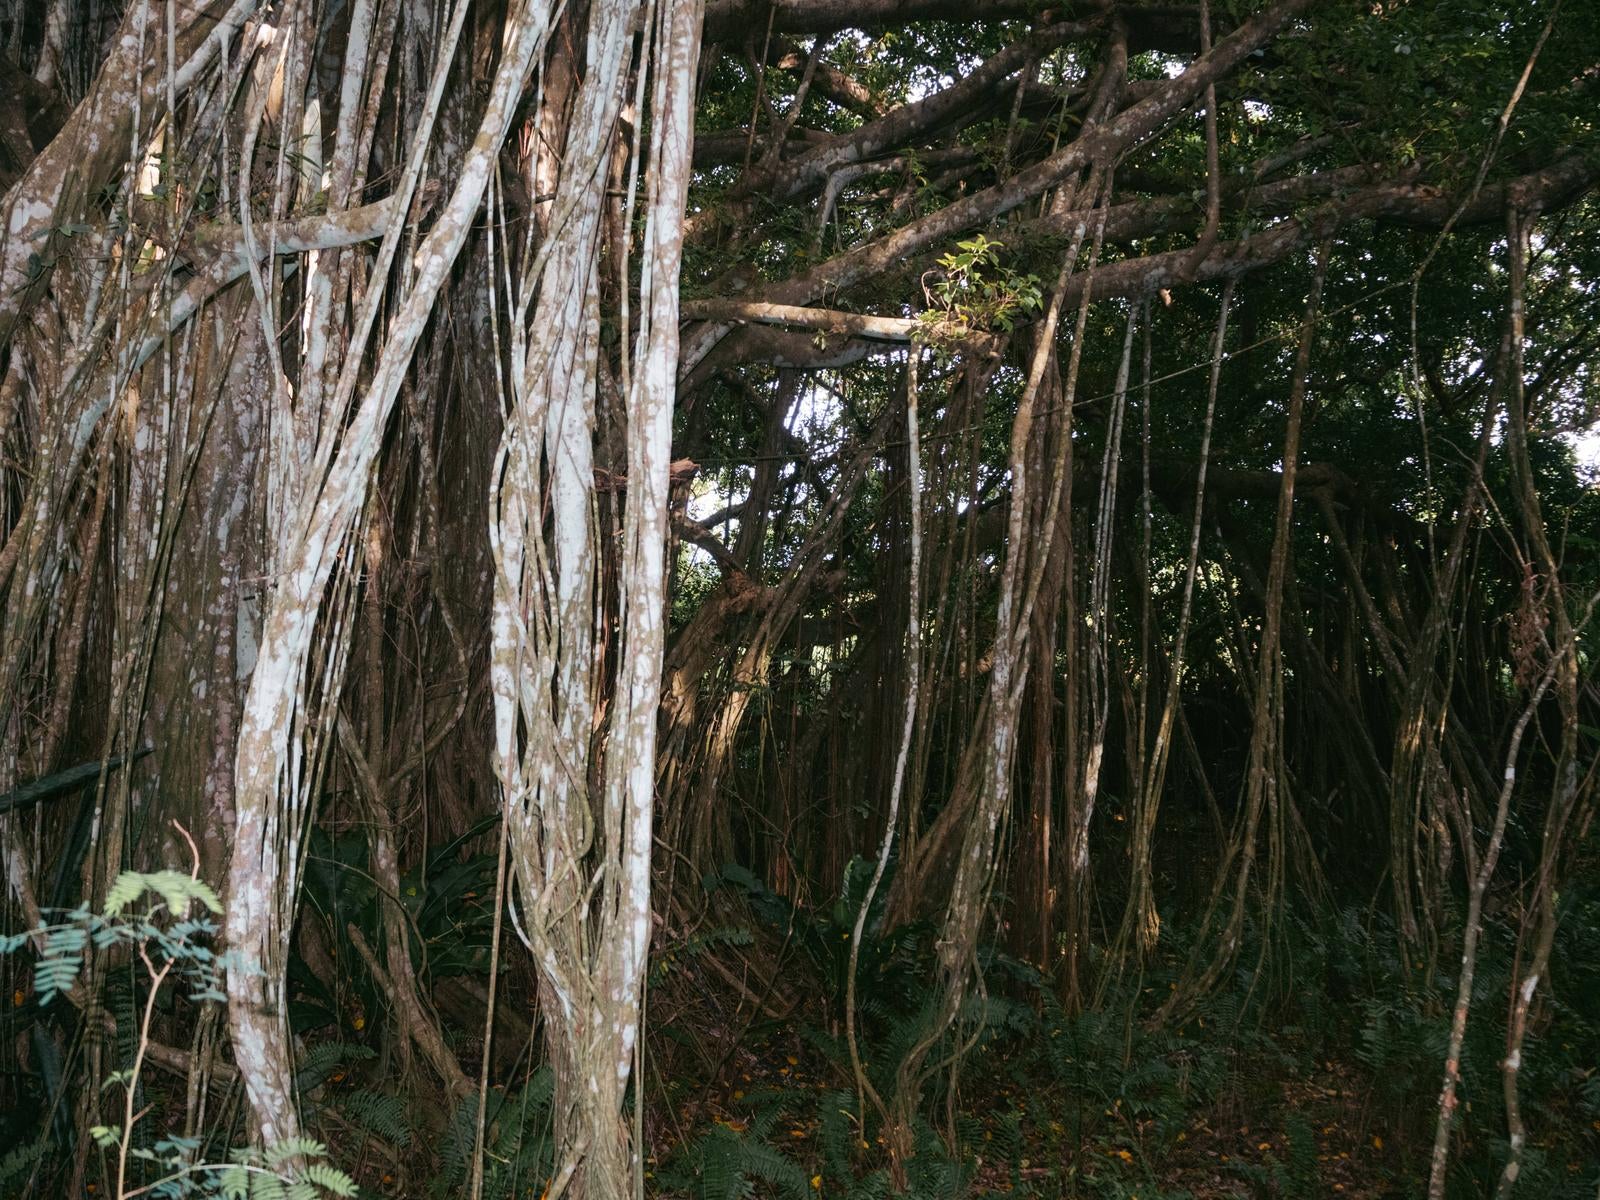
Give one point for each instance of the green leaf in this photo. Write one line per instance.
(57, 970)
(292, 1148)
(330, 1179)
(177, 891)
(12, 942)
(127, 888)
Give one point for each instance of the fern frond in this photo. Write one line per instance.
(292, 1148)
(16, 1166)
(379, 1114)
(330, 1179)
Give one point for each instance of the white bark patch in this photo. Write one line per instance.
(27, 216)
(314, 536)
(583, 861)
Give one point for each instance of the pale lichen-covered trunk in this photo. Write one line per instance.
(579, 788)
(288, 708)
(1027, 556)
(102, 458)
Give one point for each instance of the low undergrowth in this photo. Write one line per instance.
(1313, 1075)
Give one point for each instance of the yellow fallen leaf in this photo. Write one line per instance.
(816, 1183)
(1377, 1142)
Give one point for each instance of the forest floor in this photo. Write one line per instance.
(1241, 1144)
(1225, 1153)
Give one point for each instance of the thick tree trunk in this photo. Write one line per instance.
(580, 807)
(282, 734)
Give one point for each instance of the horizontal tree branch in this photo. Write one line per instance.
(726, 19)
(220, 256)
(1407, 203)
(60, 185)
(827, 80)
(1169, 28)
(1127, 128)
(830, 321)
(957, 104)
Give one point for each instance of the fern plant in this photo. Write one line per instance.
(325, 1061)
(17, 1167)
(724, 1162)
(894, 964)
(519, 1149)
(380, 1114)
(148, 915)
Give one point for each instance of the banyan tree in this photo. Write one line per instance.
(514, 495)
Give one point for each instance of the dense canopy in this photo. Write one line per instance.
(753, 597)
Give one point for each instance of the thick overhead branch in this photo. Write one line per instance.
(735, 18)
(720, 146)
(1170, 28)
(779, 347)
(220, 257)
(1115, 136)
(91, 150)
(1406, 203)
(1118, 134)
(832, 321)
(956, 105)
(827, 80)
